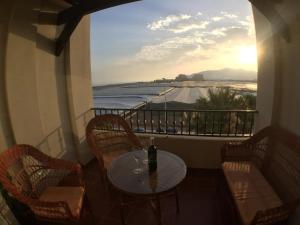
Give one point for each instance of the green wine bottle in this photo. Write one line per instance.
(152, 157)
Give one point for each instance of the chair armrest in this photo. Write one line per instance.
(274, 215)
(61, 164)
(243, 151)
(236, 151)
(54, 163)
(48, 210)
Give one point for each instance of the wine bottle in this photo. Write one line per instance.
(152, 156)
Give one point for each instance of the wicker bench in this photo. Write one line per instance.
(263, 176)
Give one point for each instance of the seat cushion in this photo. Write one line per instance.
(73, 196)
(250, 190)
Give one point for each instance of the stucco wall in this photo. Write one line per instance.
(42, 95)
(197, 152)
(6, 137)
(289, 107)
(44, 99)
(265, 73)
(279, 74)
(279, 71)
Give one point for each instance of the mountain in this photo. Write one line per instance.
(227, 74)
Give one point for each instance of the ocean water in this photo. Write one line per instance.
(131, 95)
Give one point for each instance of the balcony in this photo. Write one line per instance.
(45, 101)
(196, 136)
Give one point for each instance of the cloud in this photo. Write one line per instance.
(217, 18)
(194, 37)
(168, 49)
(249, 24)
(228, 15)
(218, 32)
(179, 23)
(167, 21)
(182, 28)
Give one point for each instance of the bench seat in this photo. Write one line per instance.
(250, 190)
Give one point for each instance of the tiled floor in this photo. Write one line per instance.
(203, 199)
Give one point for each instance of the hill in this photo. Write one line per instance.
(227, 74)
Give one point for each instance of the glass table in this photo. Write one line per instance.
(171, 171)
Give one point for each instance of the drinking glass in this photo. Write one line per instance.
(145, 160)
(138, 168)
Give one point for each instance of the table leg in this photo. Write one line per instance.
(122, 209)
(177, 201)
(158, 209)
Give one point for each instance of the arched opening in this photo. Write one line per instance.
(176, 56)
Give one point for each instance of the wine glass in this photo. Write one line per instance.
(138, 168)
(145, 150)
(145, 160)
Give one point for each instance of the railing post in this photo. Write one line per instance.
(181, 122)
(229, 124)
(130, 111)
(213, 123)
(151, 118)
(145, 126)
(237, 123)
(197, 125)
(205, 122)
(166, 121)
(159, 122)
(174, 122)
(189, 122)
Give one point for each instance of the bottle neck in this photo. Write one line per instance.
(152, 140)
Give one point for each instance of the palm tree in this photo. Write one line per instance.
(222, 99)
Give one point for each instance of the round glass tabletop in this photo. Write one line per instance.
(171, 170)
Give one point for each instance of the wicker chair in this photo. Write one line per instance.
(52, 188)
(110, 136)
(275, 153)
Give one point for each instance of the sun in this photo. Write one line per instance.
(248, 55)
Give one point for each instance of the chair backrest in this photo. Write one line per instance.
(25, 172)
(108, 133)
(280, 157)
(283, 163)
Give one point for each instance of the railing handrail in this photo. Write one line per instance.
(181, 110)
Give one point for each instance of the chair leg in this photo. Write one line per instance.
(89, 209)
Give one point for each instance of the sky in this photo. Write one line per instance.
(154, 39)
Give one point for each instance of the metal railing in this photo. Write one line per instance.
(216, 123)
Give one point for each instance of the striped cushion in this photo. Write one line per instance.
(249, 188)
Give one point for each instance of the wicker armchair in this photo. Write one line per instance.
(276, 154)
(39, 182)
(110, 136)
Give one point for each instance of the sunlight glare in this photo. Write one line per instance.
(248, 54)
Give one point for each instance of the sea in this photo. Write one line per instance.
(126, 96)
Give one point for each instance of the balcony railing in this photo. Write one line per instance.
(216, 123)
